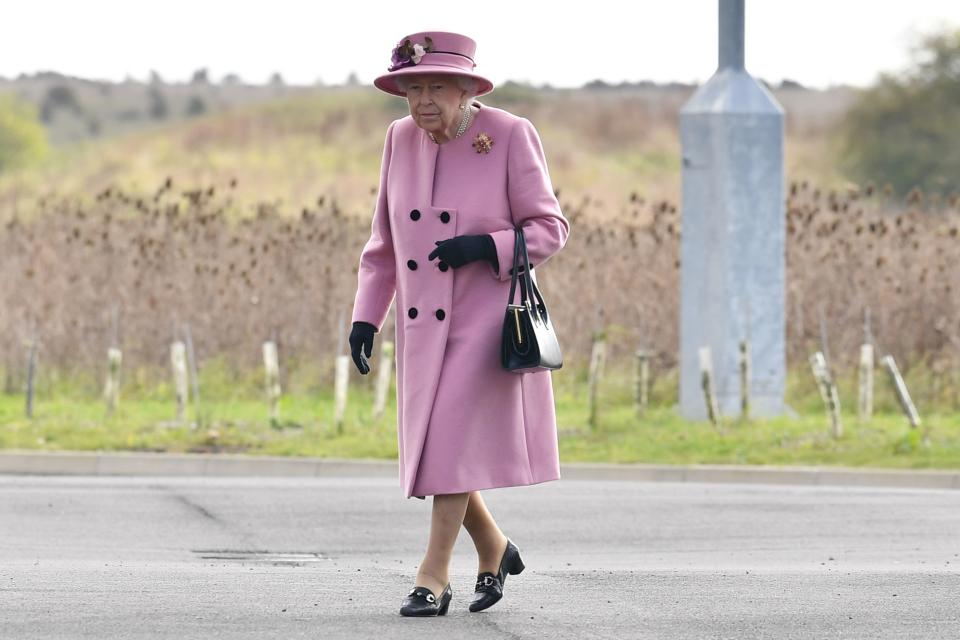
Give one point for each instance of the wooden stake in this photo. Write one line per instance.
(178, 361)
(111, 391)
(192, 363)
(642, 389)
(828, 391)
(901, 388)
(597, 357)
(383, 379)
(271, 365)
(340, 391)
(707, 384)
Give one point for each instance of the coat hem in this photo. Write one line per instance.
(497, 485)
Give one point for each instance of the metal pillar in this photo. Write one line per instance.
(732, 276)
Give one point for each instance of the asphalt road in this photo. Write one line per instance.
(181, 557)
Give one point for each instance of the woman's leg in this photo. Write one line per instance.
(448, 511)
(487, 537)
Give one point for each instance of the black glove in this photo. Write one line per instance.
(361, 335)
(460, 250)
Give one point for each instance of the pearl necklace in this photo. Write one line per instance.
(464, 123)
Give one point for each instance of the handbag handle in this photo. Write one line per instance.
(527, 287)
(517, 239)
(527, 280)
(531, 290)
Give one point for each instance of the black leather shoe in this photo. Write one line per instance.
(489, 588)
(422, 602)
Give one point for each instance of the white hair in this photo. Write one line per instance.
(468, 84)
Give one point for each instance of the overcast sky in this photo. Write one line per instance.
(815, 42)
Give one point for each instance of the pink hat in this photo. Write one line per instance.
(439, 52)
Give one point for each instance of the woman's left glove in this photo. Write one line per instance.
(460, 250)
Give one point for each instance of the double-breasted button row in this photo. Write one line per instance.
(412, 313)
(444, 216)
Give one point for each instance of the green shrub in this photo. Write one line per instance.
(905, 130)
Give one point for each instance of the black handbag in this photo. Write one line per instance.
(529, 342)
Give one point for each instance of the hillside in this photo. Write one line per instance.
(287, 151)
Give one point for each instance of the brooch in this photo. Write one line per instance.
(482, 143)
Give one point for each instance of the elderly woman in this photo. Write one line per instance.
(457, 178)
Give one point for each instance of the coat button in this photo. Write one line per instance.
(412, 312)
(412, 264)
(440, 314)
(443, 265)
(415, 214)
(445, 217)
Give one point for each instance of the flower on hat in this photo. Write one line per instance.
(418, 52)
(407, 54)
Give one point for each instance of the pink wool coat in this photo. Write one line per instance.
(463, 422)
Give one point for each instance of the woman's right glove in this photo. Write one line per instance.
(361, 344)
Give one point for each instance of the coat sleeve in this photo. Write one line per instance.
(532, 203)
(376, 275)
